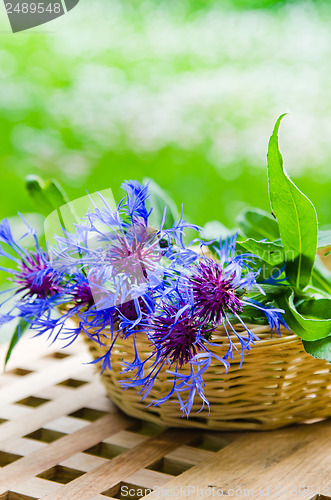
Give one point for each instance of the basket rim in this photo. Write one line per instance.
(269, 338)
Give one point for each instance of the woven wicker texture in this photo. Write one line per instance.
(278, 384)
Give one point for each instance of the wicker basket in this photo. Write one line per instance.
(278, 384)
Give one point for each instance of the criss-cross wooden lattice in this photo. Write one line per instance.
(61, 438)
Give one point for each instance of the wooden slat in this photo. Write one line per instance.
(67, 404)
(140, 455)
(148, 478)
(22, 446)
(36, 488)
(189, 455)
(54, 374)
(63, 448)
(305, 471)
(122, 466)
(84, 462)
(30, 353)
(292, 458)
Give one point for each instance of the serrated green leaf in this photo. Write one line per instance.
(307, 328)
(296, 217)
(320, 349)
(159, 199)
(19, 331)
(258, 224)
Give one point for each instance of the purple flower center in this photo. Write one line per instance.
(214, 293)
(135, 254)
(36, 278)
(128, 309)
(82, 294)
(177, 339)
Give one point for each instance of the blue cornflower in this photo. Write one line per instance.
(119, 277)
(34, 275)
(36, 284)
(120, 265)
(176, 333)
(134, 202)
(216, 291)
(207, 293)
(222, 288)
(179, 339)
(123, 256)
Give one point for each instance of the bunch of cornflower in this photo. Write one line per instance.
(116, 275)
(209, 293)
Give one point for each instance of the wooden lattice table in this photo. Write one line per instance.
(61, 438)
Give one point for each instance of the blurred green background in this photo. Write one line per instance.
(184, 92)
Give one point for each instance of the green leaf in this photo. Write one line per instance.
(321, 277)
(296, 217)
(324, 238)
(159, 199)
(271, 257)
(320, 349)
(50, 198)
(316, 308)
(19, 331)
(35, 187)
(47, 195)
(55, 194)
(258, 224)
(308, 328)
(271, 253)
